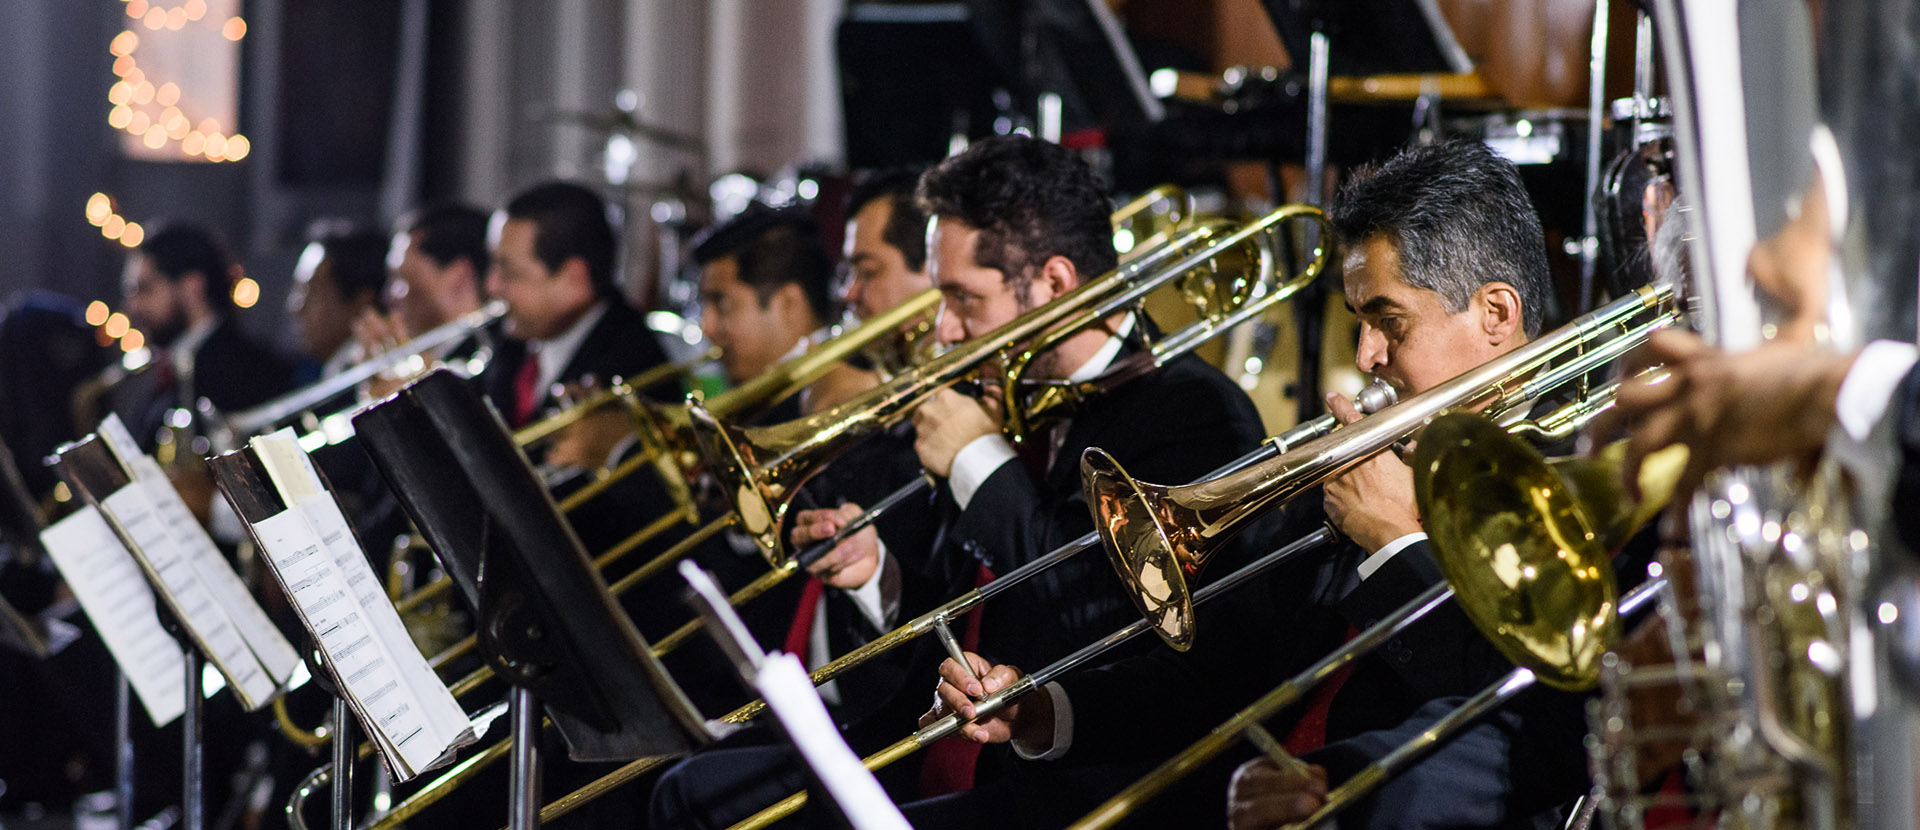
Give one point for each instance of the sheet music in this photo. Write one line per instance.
(116, 597)
(784, 684)
(396, 694)
(209, 597)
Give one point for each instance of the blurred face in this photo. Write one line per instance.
(752, 337)
(974, 299)
(416, 283)
(152, 301)
(541, 303)
(880, 279)
(325, 320)
(1407, 336)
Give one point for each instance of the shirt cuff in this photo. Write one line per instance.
(975, 462)
(1380, 557)
(1062, 729)
(1870, 383)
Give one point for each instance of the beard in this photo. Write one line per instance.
(164, 333)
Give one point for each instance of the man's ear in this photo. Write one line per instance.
(789, 300)
(1501, 316)
(1056, 276)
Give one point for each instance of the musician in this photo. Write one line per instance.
(1017, 223)
(886, 243)
(435, 266)
(341, 275)
(1444, 265)
(177, 290)
(553, 252)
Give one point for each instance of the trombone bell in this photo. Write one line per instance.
(1518, 545)
(1140, 543)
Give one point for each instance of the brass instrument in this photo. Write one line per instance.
(1158, 535)
(1523, 543)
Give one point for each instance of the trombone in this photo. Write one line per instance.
(1155, 558)
(1523, 543)
(1193, 258)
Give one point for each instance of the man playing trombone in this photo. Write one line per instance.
(1445, 268)
(1017, 224)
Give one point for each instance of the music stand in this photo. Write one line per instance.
(90, 469)
(545, 619)
(20, 526)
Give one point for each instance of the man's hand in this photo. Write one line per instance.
(850, 564)
(1030, 719)
(1372, 503)
(1263, 795)
(377, 333)
(1771, 404)
(946, 424)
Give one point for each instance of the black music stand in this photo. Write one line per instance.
(92, 471)
(546, 621)
(20, 526)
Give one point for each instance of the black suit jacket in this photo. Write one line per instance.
(231, 370)
(1906, 406)
(618, 345)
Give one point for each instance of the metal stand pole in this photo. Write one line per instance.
(342, 766)
(123, 752)
(523, 803)
(193, 815)
(1308, 308)
(1596, 117)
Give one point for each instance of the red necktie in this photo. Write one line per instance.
(524, 385)
(950, 762)
(1310, 731)
(801, 631)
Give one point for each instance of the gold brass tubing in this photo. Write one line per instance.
(312, 739)
(679, 551)
(753, 589)
(541, 429)
(436, 790)
(605, 479)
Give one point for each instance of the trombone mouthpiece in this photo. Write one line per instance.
(1377, 396)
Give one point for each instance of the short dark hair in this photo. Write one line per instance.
(356, 257)
(571, 221)
(1030, 200)
(773, 247)
(177, 249)
(1459, 218)
(907, 225)
(449, 233)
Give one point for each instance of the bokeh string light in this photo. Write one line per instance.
(151, 109)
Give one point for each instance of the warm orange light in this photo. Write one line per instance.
(167, 95)
(122, 65)
(125, 42)
(209, 126)
(155, 137)
(234, 29)
(196, 9)
(97, 312)
(246, 292)
(193, 144)
(120, 93)
(156, 18)
(135, 77)
(99, 207)
(113, 227)
(136, 9)
(119, 117)
(139, 123)
(132, 236)
(177, 19)
(133, 341)
(216, 147)
(238, 147)
(142, 93)
(117, 325)
(177, 129)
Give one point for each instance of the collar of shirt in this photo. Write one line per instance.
(556, 352)
(188, 344)
(1103, 359)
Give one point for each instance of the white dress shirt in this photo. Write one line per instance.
(554, 353)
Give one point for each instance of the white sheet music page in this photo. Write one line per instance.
(784, 684)
(117, 598)
(398, 696)
(209, 597)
